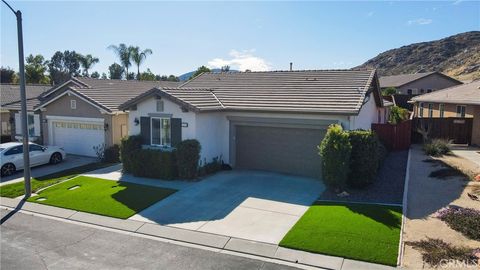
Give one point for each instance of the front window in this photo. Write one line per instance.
(420, 109)
(161, 132)
(422, 91)
(461, 111)
(430, 110)
(409, 91)
(441, 108)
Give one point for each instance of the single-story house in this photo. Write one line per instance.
(10, 109)
(462, 101)
(418, 83)
(258, 120)
(83, 112)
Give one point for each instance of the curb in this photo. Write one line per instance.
(401, 246)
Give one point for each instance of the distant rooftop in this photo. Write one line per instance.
(460, 94)
(402, 79)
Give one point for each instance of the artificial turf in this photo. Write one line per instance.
(365, 232)
(18, 189)
(103, 197)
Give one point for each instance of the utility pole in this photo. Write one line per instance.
(23, 96)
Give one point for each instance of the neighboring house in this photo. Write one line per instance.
(458, 101)
(418, 83)
(258, 120)
(83, 112)
(11, 106)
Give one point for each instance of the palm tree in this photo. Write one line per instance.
(124, 54)
(87, 62)
(138, 57)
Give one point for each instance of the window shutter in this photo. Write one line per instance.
(36, 123)
(18, 124)
(176, 131)
(145, 130)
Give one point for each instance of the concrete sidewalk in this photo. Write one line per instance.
(202, 239)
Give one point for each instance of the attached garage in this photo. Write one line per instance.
(77, 136)
(270, 145)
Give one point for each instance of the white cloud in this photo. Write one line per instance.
(420, 21)
(457, 2)
(370, 14)
(241, 60)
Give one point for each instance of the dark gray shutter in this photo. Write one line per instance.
(176, 130)
(145, 129)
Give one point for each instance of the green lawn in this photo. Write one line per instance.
(18, 189)
(103, 197)
(363, 232)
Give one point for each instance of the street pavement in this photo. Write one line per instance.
(32, 242)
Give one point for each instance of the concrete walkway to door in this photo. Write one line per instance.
(252, 205)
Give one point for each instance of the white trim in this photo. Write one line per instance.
(55, 89)
(70, 92)
(74, 119)
(151, 131)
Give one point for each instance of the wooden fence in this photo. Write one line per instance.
(395, 137)
(453, 128)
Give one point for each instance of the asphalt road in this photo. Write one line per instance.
(31, 242)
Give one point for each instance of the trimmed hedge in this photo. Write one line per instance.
(129, 144)
(188, 155)
(350, 157)
(364, 158)
(335, 150)
(153, 164)
(112, 154)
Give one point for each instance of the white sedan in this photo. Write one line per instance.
(11, 155)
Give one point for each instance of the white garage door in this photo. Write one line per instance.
(77, 138)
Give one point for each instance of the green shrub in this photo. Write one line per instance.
(5, 138)
(382, 152)
(188, 155)
(335, 151)
(112, 154)
(129, 144)
(389, 91)
(437, 147)
(364, 158)
(153, 163)
(397, 115)
(211, 167)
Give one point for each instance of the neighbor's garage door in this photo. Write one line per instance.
(286, 150)
(78, 137)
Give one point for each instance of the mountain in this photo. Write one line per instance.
(186, 76)
(457, 56)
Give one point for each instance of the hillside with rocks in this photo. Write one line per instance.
(457, 56)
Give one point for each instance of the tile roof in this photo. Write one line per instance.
(10, 93)
(109, 94)
(402, 79)
(320, 91)
(468, 93)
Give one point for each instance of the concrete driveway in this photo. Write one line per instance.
(253, 205)
(70, 162)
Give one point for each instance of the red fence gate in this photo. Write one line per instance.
(395, 137)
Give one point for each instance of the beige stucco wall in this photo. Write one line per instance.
(476, 126)
(434, 82)
(5, 126)
(450, 110)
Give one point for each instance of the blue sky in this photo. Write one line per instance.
(254, 35)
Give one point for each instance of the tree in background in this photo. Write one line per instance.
(104, 76)
(95, 75)
(138, 57)
(62, 66)
(226, 68)
(124, 55)
(389, 91)
(173, 78)
(199, 71)
(397, 115)
(115, 71)
(35, 69)
(7, 75)
(147, 76)
(87, 62)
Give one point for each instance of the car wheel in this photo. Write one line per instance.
(56, 158)
(8, 169)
